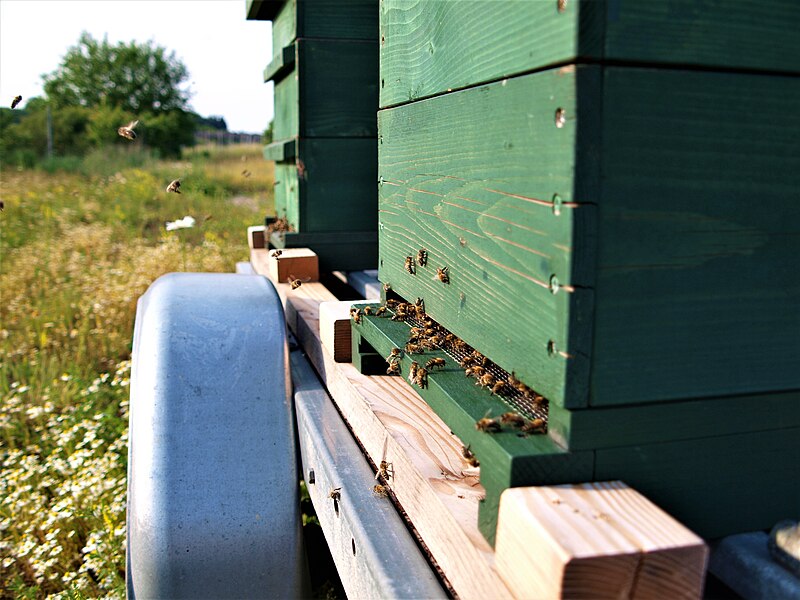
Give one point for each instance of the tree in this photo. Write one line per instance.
(137, 78)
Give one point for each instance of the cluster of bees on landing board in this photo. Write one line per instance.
(426, 334)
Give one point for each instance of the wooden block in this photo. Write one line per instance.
(334, 328)
(255, 236)
(599, 540)
(294, 263)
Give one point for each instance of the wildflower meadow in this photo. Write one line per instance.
(80, 241)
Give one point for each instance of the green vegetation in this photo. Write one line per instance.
(80, 241)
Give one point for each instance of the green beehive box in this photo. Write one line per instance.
(325, 73)
(621, 239)
(432, 47)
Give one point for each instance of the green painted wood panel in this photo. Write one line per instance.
(614, 427)
(697, 290)
(715, 486)
(432, 46)
(339, 19)
(332, 90)
(337, 185)
(286, 193)
(673, 277)
(486, 182)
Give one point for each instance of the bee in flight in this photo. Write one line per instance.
(175, 186)
(276, 253)
(15, 101)
(127, 131)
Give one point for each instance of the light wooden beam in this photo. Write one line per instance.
(595, 540)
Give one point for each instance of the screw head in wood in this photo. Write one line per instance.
(557, 202)
(551, 348)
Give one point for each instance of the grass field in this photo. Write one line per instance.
(77, 249)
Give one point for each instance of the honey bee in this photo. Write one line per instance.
(15, 101)
(394, 355)
(434, 341)
(391, 303)
(460, 345)
(472, 460)
(435, 362)
(380, 310)
(412, 373)
(387, 287)
(276, 253)
(380, 491)
(512, 419)
(414, 348)
(416, 331)
(422, 257)
(246, 173)
(174, 186)
(533, 426)
(398, 316)
(394, 368)
(422, 377)
(442, 274)
(488, 425)
(355, 313)
(385, 470)
(475, 371)
(409, 265)
(498, 387)
(127, 131)
(486, 380)
(465, 363)
(295, 283)
(335, 494)
(367, 310)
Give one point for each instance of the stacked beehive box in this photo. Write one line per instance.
(612, 189)
(326, 94)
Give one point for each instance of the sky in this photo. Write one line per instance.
(223, 51)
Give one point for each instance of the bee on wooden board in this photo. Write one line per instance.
(15, 101)
(486, 380)
(414, 348)
(422, 377)
(394, 368)
(276, 253)
(442, 274)
(380, 491)
(391, 303)
(422, 257)
(512, 419)
(174, 186)
(394, 355)
(435, 362)
(367, 310)
(385, 470)
(409, 265)
(412, 372)
(127, 131)
(488, 425)
(471, 459)
(533, 426)
(475, 371)
(387, 287)
(380, 310)
(498, 387)
(296, 283)
(355, 313)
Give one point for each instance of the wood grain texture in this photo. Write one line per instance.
(601, 540)
(329, 89)
(435, 487)
(658, 245)
(717, 486)
(430, 47)
(504, 208)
